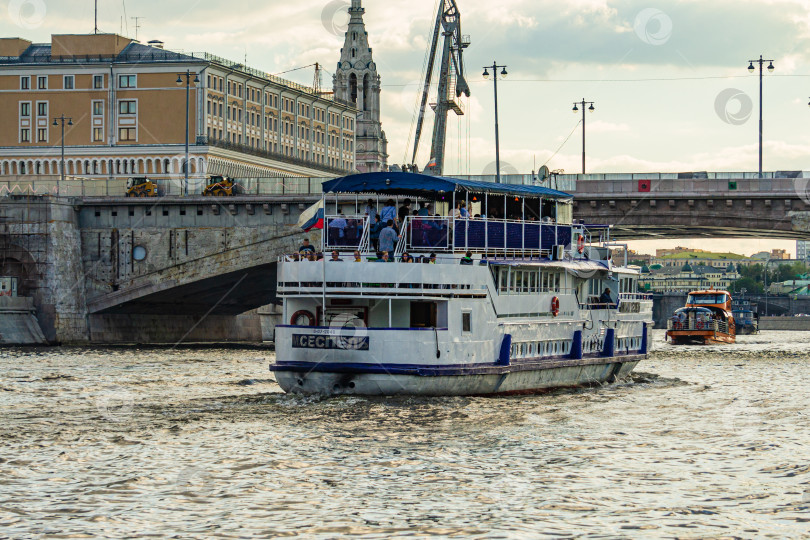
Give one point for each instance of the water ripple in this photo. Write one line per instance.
(201, 443)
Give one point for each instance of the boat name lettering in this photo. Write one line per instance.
(311, 341)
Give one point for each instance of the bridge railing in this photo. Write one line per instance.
(166, 187)
(649, 187)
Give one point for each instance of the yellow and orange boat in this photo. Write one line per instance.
(705, 319)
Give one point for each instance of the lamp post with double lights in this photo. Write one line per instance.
(61, 119)
(751, 69)
(495, 67)
(179, 81)
(576, 109)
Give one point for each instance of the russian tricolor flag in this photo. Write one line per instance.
(312, 217)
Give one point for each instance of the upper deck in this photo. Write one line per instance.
(445, 215)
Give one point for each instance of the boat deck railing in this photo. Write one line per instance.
(489, 235)
(692, 324)
(345, 233)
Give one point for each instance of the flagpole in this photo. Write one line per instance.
(323, 259)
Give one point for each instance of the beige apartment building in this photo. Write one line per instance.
(128, 114)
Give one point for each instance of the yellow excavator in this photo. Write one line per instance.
(219, 186)
(140, 186)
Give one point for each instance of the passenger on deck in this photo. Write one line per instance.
(305, 247)
(337, 230)
(605, 298)
(371, 210)
(388, 237)
(385, 257)
(389, 211)
(404, 210)
(374, 232)
(357, 257)
(432, 259)
(464, 212)
(336, 257)
(425, 210)
(466, 259)
(406, 258)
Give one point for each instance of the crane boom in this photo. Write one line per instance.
(452, 83)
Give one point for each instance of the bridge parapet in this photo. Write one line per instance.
(694, 188)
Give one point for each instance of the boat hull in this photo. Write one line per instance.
(698, 337)
(565, 375)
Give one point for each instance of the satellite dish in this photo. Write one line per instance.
(543, 174)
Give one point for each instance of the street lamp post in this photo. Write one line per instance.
(495, 67)
(575, 109)
(179, 81)
(751, 68)
(56, 121)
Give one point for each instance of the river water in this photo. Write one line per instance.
(201, 443)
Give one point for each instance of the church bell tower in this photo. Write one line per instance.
(356, 82)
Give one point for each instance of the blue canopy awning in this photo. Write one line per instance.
(401, 183)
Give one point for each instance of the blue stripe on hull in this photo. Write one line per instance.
(423, 370)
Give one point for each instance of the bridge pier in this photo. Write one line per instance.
(40, 245)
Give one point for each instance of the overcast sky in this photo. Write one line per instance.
(669, 79)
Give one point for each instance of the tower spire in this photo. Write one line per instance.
(357, 83)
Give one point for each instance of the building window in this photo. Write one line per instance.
(25, 109)
(42, 83)
(25, 135)
(25, 83)
(98, 81)
(98, 108)
(42, 108)
(466, 321)
(126, 134)
(127, 107)
(127, 81)
(42, 135)
(98, 134)
(68, 82)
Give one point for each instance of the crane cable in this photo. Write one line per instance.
(563, 143)
(428, 52)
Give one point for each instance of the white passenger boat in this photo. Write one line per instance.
(525, 316)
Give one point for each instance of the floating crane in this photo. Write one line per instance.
(451, 82)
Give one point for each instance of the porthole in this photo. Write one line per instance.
(139, 253)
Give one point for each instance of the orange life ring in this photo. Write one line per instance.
(580, 243)
(555, 306)
(302, 313)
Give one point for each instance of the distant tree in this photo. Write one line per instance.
(751, 285)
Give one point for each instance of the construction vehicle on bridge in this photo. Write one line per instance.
(141, 186)
(219, 186)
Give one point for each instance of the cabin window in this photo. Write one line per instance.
(466, 321)
(423, 314)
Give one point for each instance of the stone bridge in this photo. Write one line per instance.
(641, 208)
(114, 269)
(148, 270)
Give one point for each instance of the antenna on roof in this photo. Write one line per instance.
(137, 25)
(95, 21)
